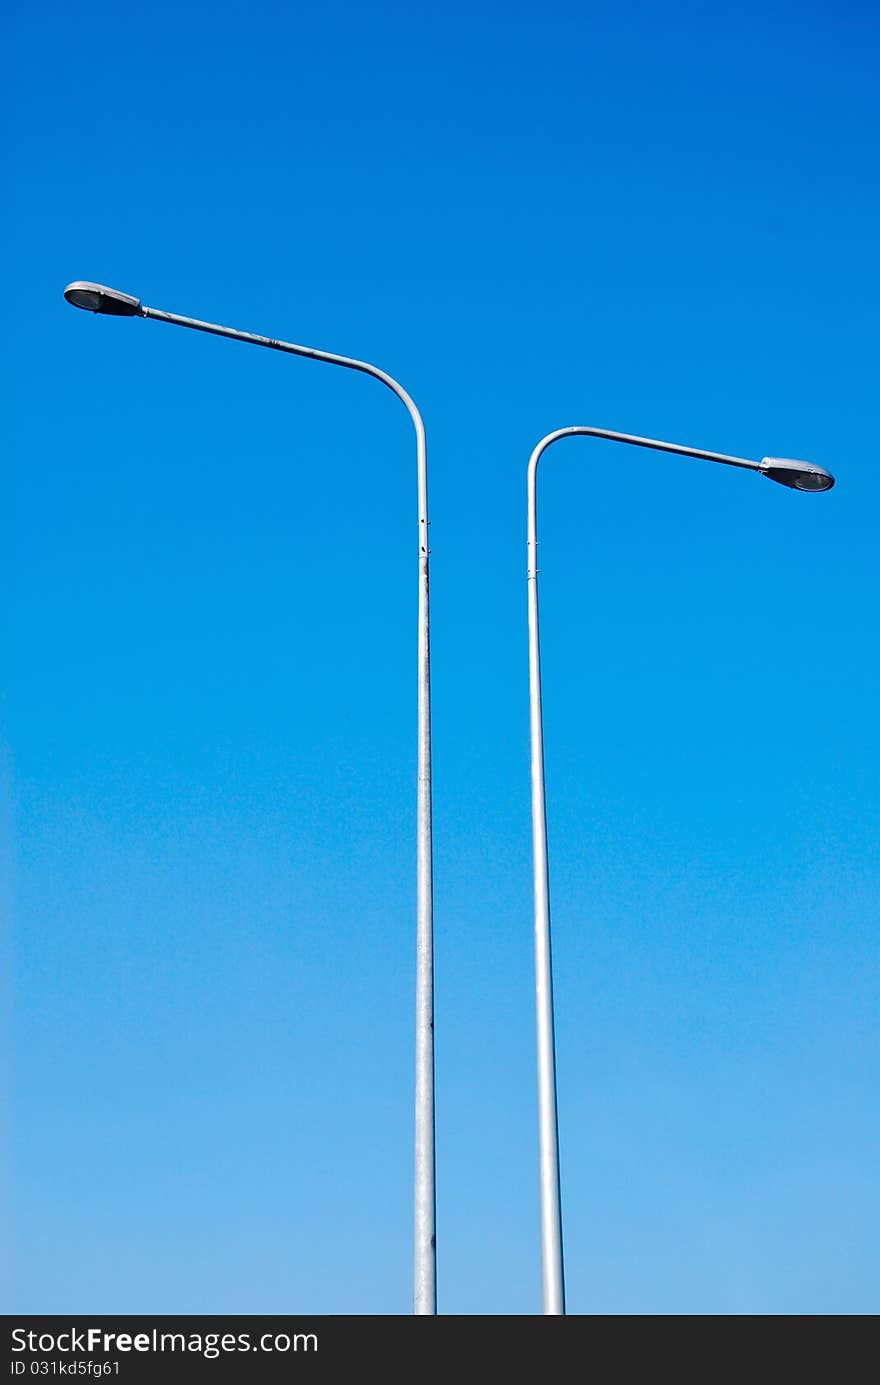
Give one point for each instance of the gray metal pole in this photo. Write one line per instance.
(552, 1276)
(552, 1269)
(425, 1251)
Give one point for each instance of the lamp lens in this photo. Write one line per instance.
(83, 298)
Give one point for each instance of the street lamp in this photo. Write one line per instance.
(97, 298)
(802, 476)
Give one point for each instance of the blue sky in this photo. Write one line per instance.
(659, 219)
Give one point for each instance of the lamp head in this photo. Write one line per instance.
(97, 298)
(800, 476)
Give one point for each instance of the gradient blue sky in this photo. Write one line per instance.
(655, 218)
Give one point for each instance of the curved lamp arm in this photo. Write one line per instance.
(292, 349)
(794, 474)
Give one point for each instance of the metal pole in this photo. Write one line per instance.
(425, 1250)
(552, 1268)
(552, 1275)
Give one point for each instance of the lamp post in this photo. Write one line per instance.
(802, 476)
(97, 298)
